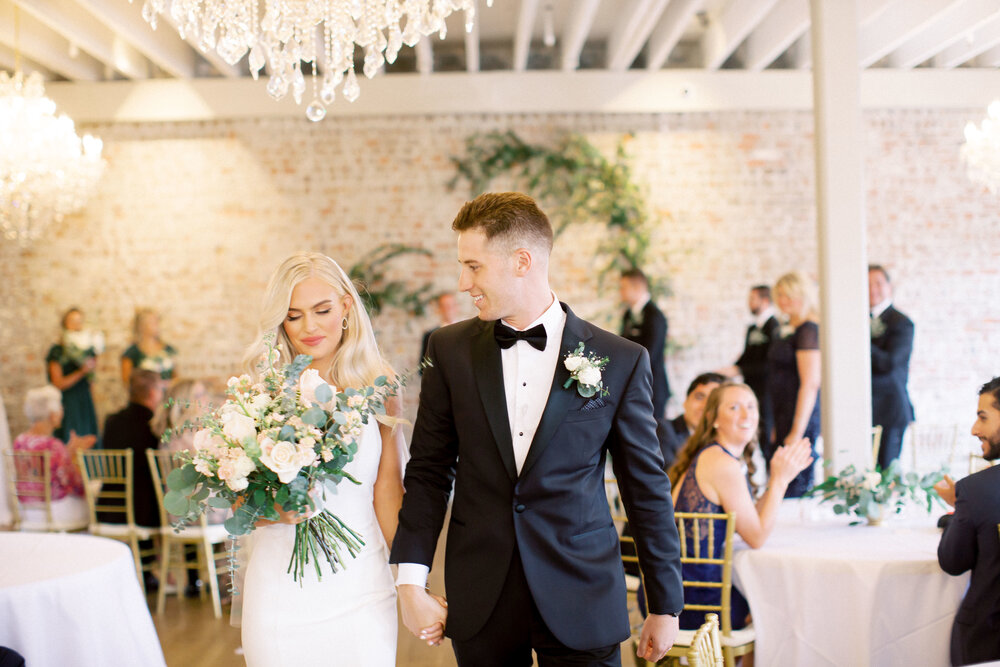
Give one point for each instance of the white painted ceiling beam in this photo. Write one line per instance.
(728, 31)
(787, 22)
(802, 52)
(581, 17)
(870, 10)
(971, 45)
(633, 29)
(163, 46)
(45, 47)
(990, 58)
(8, 61)
(897, 25)
(673, 23)
(79, 27)
(523, 32)
(951, 27)
(472, 42)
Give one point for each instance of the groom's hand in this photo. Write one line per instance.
(424, 614)
(658, 635)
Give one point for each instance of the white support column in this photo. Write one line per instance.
(840, 217)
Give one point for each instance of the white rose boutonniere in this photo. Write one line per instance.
(585, 370)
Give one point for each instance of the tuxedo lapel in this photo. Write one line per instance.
(488, 370)
(560, 399)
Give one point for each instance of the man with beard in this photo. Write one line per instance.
(970, 541)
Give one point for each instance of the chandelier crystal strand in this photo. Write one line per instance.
(46, 170)
(981, 150)
(282, 34)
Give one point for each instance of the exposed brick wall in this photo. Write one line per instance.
(191, 218)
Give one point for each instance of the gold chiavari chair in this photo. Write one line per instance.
(931, 446)
(734, 642)
(29, 487)
(108, 483)
(876, 443)
(706, 649)
(205, 536)
(625, 540)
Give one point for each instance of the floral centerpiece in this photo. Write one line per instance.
(867, 494)
(272, 444)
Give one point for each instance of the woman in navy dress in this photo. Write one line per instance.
(711, 475)
(794, 372)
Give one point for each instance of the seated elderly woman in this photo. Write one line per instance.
(43, 408)
(709, 476)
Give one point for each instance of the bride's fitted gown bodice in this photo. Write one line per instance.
(348, 617)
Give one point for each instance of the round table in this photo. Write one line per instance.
(73, 600)
(823, 592)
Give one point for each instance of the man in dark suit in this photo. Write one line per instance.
(752, 364)
(532, 561)
(891, 346)
(644, 323)
(130, 429)
(685, 423)
(447, 310)
(970, 541)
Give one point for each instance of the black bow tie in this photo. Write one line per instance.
(506, 337)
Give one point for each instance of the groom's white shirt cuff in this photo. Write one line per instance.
(412, 573)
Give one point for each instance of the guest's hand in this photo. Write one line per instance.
(90, 364)
(424, 614)
(78, 442)
(658, 634)
(946, 489)
(789, 460)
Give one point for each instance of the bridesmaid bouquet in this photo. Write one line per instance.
(272, 444)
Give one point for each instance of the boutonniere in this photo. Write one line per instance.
(757, 337)
(585, 369)
(878, 327)
(786, 330)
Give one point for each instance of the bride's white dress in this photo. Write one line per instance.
(348, 617)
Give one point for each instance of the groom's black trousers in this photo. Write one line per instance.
(515, 628)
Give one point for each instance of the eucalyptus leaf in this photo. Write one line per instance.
(323, 393)
(287, 433)
(219, 502)
(175, 480)
(314, 416)
(189, 474)
(175, 503)
(201, 494)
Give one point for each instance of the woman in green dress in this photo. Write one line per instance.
(70, 365)
(147, 351)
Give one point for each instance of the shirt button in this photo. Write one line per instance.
(519, 508)
(524, 384)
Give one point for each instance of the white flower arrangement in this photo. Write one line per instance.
(585, 370)
(867, 493)
(271, 444)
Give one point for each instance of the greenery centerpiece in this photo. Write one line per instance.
(870, 494)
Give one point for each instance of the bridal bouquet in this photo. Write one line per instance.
(272, 444)
(867, 493)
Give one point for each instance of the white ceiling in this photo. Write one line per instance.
(100, 40)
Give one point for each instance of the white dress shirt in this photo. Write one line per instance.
(881, 308)
(527, 379)
(761, 318)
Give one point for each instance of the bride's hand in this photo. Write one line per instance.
(424, 614)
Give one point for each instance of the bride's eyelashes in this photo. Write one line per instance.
(292, 318)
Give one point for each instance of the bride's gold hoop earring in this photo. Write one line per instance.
(343, 323)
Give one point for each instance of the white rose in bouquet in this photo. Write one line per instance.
(239, 426)
(309, 382)
(590, 376)
(208, 441)
(283, 458)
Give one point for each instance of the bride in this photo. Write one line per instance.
(347, 617)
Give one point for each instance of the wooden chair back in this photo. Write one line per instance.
(706, 648)
(699, 525)
(107, 482)
(931, 446)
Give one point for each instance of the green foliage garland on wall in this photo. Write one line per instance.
(574, 182)
(369, 275)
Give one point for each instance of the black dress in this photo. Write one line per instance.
(783, 385)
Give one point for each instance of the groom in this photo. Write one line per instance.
(532, 558)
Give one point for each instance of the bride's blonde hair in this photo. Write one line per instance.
(357, 361)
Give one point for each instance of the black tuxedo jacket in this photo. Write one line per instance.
(753, 361)
(651, 333)
(891, 351)
(681, 430)
(970, 542)
(555, 512)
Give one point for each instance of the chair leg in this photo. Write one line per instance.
(166, 548)
(213, 578)
(730, 657)
(134, 543)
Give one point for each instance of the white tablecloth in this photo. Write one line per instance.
(73, 600)
(822, 592)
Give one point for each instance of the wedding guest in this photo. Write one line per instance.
(694, 404)
(185, 401)
(712, 475)
(752, 364)
(447, 311)
(970, 541)
(891, 347)
(644, 323)
(794, 372)
(70, 365)
(130, 429)
(43, 408)
(147, 350)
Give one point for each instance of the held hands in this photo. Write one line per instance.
(424, 614)
(946, 489)
(658, 635)
(790, 459)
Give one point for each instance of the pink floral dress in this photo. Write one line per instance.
(66, 479)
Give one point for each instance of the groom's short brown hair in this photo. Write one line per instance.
(512, 218)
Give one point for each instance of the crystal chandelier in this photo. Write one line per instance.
(981, 150)
(286, 34)
(46, 170)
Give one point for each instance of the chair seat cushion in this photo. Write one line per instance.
(119, 530)
(215, 532)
